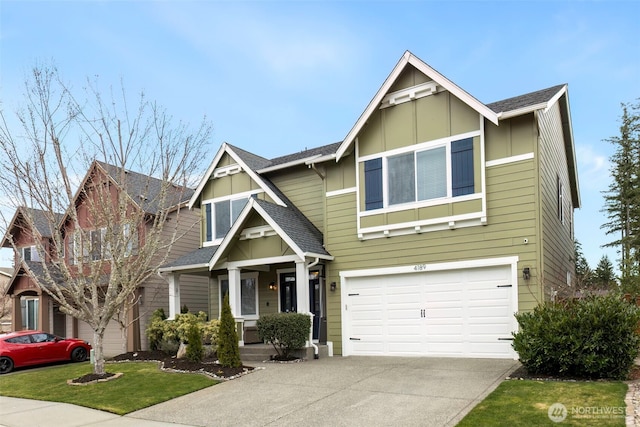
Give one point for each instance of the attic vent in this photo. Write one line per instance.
(142, 197)
(410, 94)
(226, 170)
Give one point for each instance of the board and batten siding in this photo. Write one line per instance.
(557, 236)
(511, 218)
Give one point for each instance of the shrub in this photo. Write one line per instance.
(287, 332)
(155, 330)
(228, 348)
(195, 349)
(591, 338)
(166, 335)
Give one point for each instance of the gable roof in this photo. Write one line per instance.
(193, 260)
(522, 104)
(410, 59)
(292, 227)
(249, 162)
(40, 220)
(142, 188)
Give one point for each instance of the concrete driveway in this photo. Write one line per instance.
(372, 391)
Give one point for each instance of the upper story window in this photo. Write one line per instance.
(96, 246)
(30, 253)
(441, 171)
(560, 188)
(221, 214)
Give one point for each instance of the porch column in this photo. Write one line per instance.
(235, 296)
(44, 310)
(174, 294)
(302, 287)
(16, 313)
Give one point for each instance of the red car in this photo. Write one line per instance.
(26, 348)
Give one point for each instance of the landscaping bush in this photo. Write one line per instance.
(591, 338)
(287, 332)
(228, 348)
(166, 335)
(195, 349)
(155, 330)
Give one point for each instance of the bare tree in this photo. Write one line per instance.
(117, 226)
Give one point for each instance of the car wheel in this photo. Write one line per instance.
(6, 365)
(79, 354)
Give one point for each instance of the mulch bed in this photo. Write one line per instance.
(208, 366)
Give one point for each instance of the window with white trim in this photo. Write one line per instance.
(248, 294)
(437, 172)
(560, 200)
(30, 253)
(220, 216)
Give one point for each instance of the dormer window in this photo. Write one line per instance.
(30, 253)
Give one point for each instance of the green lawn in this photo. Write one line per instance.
(526, 403)
(143, 384)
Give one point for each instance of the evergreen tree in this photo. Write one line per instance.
(605, 277)
(228, 348)
(622, 199)
(583, 272)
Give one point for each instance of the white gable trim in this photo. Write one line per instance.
(235, 229)
(225, 148)
(409, 58)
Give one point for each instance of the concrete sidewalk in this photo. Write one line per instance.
(372, 391)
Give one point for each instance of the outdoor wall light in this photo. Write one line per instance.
(526, 273)
(332, 286)
(272, 286)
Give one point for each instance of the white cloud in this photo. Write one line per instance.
(593, 168)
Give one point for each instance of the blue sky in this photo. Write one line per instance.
(276, 77)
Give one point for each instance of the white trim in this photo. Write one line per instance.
(410, 94)
(409, 58)
(422, 146)
(248, 275)
(521, 111)
(341, 192)
(507, 160)
(296, 162)
(439, 266)
(425, 226)
(225, 148)
(257, 232)
(422, 204)
(510, 261)
(260, 261)
(226, 171)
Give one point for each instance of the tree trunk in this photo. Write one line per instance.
(98, 364)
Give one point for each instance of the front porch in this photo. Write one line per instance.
(263, 352)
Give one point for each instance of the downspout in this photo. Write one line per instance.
(316, 351)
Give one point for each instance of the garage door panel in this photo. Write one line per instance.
(442, 313)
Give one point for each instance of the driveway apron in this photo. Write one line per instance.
(342, 391)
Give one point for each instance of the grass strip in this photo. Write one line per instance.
(526, 403)
(143, 384)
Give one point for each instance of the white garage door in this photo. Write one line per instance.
(454, 313)
(112, 340)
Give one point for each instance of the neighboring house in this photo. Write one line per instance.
(34, 309)
(5, 301)
(421, 233)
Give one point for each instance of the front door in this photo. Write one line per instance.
(288, 297)
(288, 302)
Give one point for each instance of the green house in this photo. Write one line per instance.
(420, 234)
